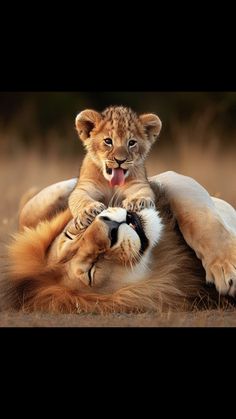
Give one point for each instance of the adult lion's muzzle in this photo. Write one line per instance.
(113, 227)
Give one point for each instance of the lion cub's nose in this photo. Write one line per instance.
(120, 161)
(113, 228)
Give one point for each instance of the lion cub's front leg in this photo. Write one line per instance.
(138, 197)
(84, 206)
(87, 213)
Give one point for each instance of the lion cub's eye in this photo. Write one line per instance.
(132, 143)
(108, 141)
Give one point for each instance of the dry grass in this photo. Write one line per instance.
(192, 154)
(212, 318)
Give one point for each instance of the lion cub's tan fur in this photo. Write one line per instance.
(130, 138)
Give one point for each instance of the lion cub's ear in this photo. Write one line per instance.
(152, 125)
(86, 121)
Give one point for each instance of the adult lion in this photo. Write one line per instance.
(124, 261)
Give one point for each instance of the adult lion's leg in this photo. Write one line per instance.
(226, 211)
(207, 226)
(46, 203)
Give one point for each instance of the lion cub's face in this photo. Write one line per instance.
(117, 140)
(113, 251)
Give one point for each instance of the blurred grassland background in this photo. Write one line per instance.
(39, 145)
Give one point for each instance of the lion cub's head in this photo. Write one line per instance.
(117, 139)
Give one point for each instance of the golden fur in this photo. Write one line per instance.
(119, 125)
(176, 279)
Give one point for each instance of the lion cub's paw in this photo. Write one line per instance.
(221, 269)
(88, 213)
(137, 204)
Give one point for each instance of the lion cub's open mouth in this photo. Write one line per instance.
(117, 175)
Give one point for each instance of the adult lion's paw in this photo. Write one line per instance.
(137, 204)
(221, 268)
(88, 213)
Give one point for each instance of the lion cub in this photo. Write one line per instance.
(117, 142)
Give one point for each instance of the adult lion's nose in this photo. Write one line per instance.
(113, 227)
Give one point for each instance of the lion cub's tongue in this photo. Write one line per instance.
(118, 177)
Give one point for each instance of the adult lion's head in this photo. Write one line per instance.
(58, 268)
(112, 252)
